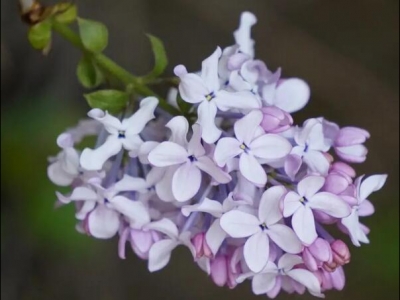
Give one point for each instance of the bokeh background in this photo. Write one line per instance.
(348, 51)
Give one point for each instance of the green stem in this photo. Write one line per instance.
(110, 66)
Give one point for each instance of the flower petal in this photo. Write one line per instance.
(239, 224)
(304, 225)
(285, 238)
(206, 112)
(179, 127)
(270, 146)
(288, 261)
(256, 252)
(246, 127)
(164, 186)
(195, 147)
(129, 183)
(241, 100)
(135, 211)
(306, 278)
(165, 226)
(168, 154)
(352, 224)
(292, 95)
(243, 33)
(317, 162)
(366, 209)
(93, 160)
(292, 165)
(143, 240)
(269, 210)
(263, 283)
(208, 206)
(111, 123)
(291, 203)
(209, 70)
(186, 182)
(330, 204)
(103, 223)
(57, 174)
(192, 88)
(160, 254)
(227, 148)
(252, 170)
(215, 236)
(310, 185)
(206, 164)
(371, 184)
(136, 123)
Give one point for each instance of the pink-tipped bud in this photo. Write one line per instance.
(344, 169)
(341, 253)
(219, 270)
(330, 266)
(349, 144)
(275, 120)
(201, 247)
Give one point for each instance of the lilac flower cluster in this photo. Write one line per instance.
(246, 191)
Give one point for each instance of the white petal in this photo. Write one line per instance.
(256, 252)
(208, 206)
(206, 112)
(206, 164)
(103, 223)
(215, 236)
(82, 193)
(304, 225)
(86, 208)
(285, 238)
(306, 278)
(317, 162)
(269, 210)
(243, 33)
(246, 127)
(58, 176)
(111, 123)
(252, 170)
(186, 182)
(132, 142)
(160, 254)
(227, 148)
(288, 261)
(192, 88)
(239, 224)
(263, 283)
(209, 70)
(330, 204)
(292, 95)
(168, 154)
(179, 127)
(135, 211)
(144, 151)
(270, 146)
(164, 186)
(371, 184)
(93, 160)
(310, 185)
(353, 226)
(129, 183)
(240, 100)
(165, 226)
(136, 123)
(195, 147)
(291, 204)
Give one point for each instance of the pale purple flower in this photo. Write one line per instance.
(123, 134)
(284, 275)
(260, 229)
(363, 208)
(275, 120)
(251, 144)
(206, 90)
(300, 205)
(190, 162)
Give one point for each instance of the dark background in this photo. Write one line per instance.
(348, 51)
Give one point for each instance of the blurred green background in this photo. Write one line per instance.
(348, 51)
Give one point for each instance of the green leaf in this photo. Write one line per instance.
(89, 74)
(39, 35)
(111, 100)
(160, 58)
(67, 13)
(94, 35)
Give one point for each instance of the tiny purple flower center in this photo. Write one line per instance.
(303, 200)
(244, 147)
(306, 148)
(121, 134)
(192, 158)
(106, 201)
(210, 96)
(263, 226)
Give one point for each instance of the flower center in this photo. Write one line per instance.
(244, 147)
(263, 226)
(121, 134)
(303, 200)
(192, 158)
(210, 96)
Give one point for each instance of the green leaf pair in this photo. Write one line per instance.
(112, 101)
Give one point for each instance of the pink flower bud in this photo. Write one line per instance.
(349, 144)
(275, 120)
(341, 253)
(321, 250)
(201, 247)
(344, 169)
(219, 271)
(330, 266)
(309, 260)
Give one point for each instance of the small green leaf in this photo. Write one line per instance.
(111, 100)
(39, 35)
(183, 106)
(160, 58)
(94, 35)
(68, 13)
(89, 74)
